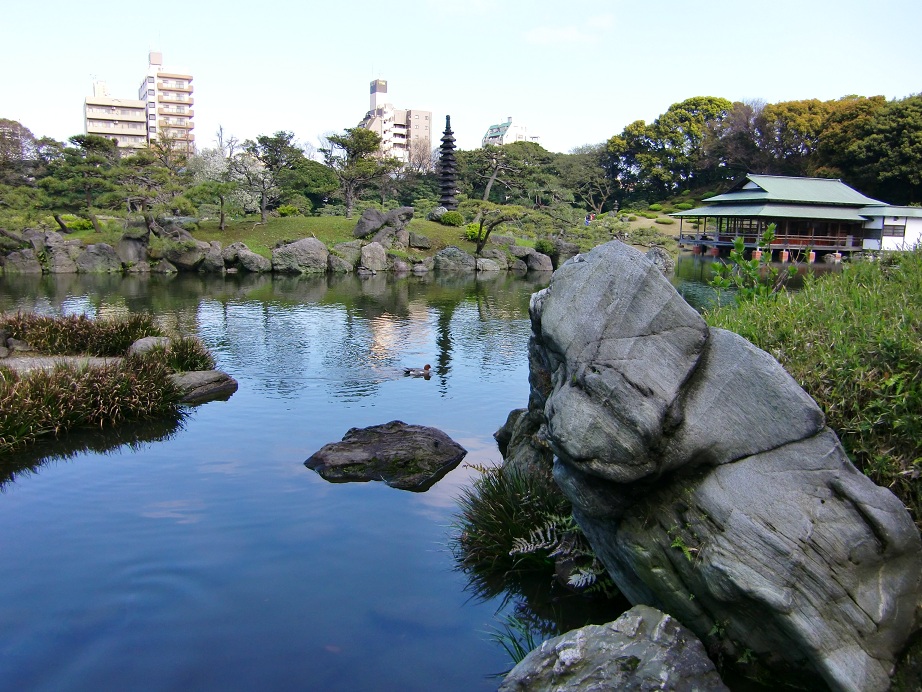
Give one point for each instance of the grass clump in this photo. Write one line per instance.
(853, 341)
(184, 354)
(50, 403)
(78, 334)
(513, 523)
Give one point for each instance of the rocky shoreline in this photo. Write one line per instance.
(380, 246)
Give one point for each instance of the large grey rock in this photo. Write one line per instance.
(188, 255)
(147, 343)
(520, 251)
(199, 386)
(163, 267)
(382, 225)
(305, 256)
(484, 264)
(642, 650)
(22, 262)
(419, 242)
(59, 259)
(497, 255)
(408, 457)
(454, 259)
(662, 259)
(707, 482)
(214, 259)
(338, 265)
(98, 259)
(539, 262)
(239, 256)
(369, 223)
(350, 252)
(374, 257)
(131, 250)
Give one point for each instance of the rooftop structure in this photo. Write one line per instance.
(406, 135)
(506, 133)
(821, 214)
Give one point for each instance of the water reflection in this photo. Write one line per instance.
(132, 436)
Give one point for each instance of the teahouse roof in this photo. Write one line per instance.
(788, 197)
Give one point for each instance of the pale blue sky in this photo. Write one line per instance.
(572, 72)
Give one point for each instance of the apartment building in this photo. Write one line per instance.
(124, 121)
(506, 133)
(406, 135)
(168, 96)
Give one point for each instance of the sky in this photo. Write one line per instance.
(573, 73)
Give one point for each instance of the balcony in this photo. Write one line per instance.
(183, 125)
(182, 114)
(162, 86)
(169, 99)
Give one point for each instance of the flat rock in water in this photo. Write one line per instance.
(200, 386)
(407, 457)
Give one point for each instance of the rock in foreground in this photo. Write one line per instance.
(408, 457)
(643, 649)
(707, 481)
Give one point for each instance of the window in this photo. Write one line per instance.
(894, 231)
(150, 80)
(150, 92)
(151, 116)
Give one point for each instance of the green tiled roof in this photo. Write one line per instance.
(777, 188)
(777, 211)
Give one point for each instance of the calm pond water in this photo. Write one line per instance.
(208, 557)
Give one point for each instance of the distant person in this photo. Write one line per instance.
(588, 219)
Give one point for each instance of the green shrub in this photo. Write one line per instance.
(79, 224)
(451, 218)
(472, 232)
(852, 341)
(684, 206)
(631, 218)
(656, 207)
(288, 210)
(665, 220)
(545, 247)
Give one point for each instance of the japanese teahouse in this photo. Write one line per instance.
(822, 214)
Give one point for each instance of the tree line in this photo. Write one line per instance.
(699, 144)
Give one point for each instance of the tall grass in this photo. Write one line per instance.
(853, 341)
(50, 403)
(78, 334)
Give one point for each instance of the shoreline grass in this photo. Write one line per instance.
(853, 341)
(48, 403)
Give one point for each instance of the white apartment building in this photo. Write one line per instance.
(168, 96)
(506, 133)
(124, 121)
(406, 135)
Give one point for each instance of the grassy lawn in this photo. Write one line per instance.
(330, 230)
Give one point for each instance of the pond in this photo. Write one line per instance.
(207, 556)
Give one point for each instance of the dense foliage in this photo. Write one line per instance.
(853, 341)
(697, 147)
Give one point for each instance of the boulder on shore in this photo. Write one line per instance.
(644, 649)
(305, 256)
(708, 483)
(407, 457)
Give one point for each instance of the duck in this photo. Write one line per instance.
(418, 372)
